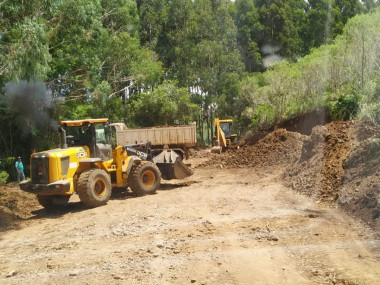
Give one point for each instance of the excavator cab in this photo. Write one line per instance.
(224, 137)
(227, 128)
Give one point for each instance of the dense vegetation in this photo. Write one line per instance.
(175, 61)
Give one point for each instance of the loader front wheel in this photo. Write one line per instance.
(45, 201)
(94, 188)
(51, 201)
(144, 179)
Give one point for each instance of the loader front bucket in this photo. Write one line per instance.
(177, 170)
(171, 166)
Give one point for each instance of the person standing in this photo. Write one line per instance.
(20, 170)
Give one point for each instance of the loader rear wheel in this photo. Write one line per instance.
(94, 188)
(144, 179)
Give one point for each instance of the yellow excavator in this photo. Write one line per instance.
(224, 137)
(87, 164)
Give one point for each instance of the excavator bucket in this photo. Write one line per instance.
(217, 149)
(171, 166)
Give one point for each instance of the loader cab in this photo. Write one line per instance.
(93, 133)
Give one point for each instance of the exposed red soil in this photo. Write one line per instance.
(277, 148)
(338, 163)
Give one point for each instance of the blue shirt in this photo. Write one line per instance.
(19, 166)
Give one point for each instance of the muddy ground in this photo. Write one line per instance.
(288, 209)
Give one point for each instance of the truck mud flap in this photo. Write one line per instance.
(171, 166)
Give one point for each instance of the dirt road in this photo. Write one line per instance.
(220, 226)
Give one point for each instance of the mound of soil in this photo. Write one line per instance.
(340, 163)
(15, 205)
(276, 148)
(337, 163)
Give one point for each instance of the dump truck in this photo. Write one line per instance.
(169, 145)
(224, 137)
(86, 163)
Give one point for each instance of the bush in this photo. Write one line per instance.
(4, 177)
(264, 115)
(7, 166)
(345, 108)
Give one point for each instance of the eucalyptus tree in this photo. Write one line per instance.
(248, 24)
(279, 27)
(153, 18)
(325, 20)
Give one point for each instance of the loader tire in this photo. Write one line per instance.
(144, 179)
(94, 188)
(51, 201)
(45, 201)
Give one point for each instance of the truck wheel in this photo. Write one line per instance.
(144, 179)
(94, 188)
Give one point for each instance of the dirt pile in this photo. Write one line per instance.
(340, 162)
(320, 168)
(277, 148)
(15, 205)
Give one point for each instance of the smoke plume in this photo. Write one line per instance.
(32, 103)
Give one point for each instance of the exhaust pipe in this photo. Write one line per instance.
(63, 137)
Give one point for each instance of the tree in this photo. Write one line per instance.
(165, 105)
(326, 19)
(120, 16)
(247, 22)
(28, 54)
(279, 33)
(75, 40)
(153, 17)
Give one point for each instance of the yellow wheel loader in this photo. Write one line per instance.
(224, 137)
(87, 164)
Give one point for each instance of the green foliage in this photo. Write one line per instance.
(3, 177)
(153, 16)
(115, 58)
(7, 169)
(165, 105)
(370, 105)
(264, 115)
(279, 27)
(247, 22)
(28, 54)
(342, 76)
(346, 107)
(120, 16)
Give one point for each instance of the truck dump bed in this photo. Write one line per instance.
(169, 146)
(176, 136)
